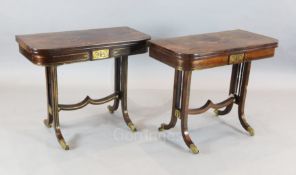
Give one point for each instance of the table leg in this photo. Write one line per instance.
(184, 111)
(176, 102)
(246, 67)
(52, 88)
(115, 105)
(49, 120)
(123, 94)
(232, 90)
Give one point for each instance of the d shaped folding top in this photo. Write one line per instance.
(185, 54)
(54, 49)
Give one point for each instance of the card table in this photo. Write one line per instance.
(197, 52)
(55, 49)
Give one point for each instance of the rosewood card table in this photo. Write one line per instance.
(54, 49)
(185, 54)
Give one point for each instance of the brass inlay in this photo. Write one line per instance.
(100, 54)
(179, 68)
(236, 58)
(85, 56)
(49, 109)
(120, 51)
(87, 100)
(177, 113)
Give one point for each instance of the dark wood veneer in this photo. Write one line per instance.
(75, 46)
(212, 49)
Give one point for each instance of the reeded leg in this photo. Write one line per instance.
(232, 90)
(53, 93)
(115, 105)
(176, 101)
(245, 72)
(184, 111)
(49, 120)
(124, 66)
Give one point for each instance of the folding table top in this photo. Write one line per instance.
(211, 49)
(74, 46)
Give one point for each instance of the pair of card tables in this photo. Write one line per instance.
(185, 54)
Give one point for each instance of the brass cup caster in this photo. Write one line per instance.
(110, 109)
(216, 112)
(132, 127)
(251, 131)
(161, 128)
(64, 145)
(46, 123)
(194, 149)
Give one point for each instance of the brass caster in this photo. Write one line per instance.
(251, 131)
(132, 127)
(46, 123)
(194, 149)
(216, 112)
(161, 128)
(64, 145)
(110, 108)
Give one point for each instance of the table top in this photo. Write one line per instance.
(187, 49)
(213, 43)
(49, 45)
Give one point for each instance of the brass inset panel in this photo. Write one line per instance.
(100, 54)
(236, 58)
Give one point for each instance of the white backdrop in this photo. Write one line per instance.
(28, 148)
